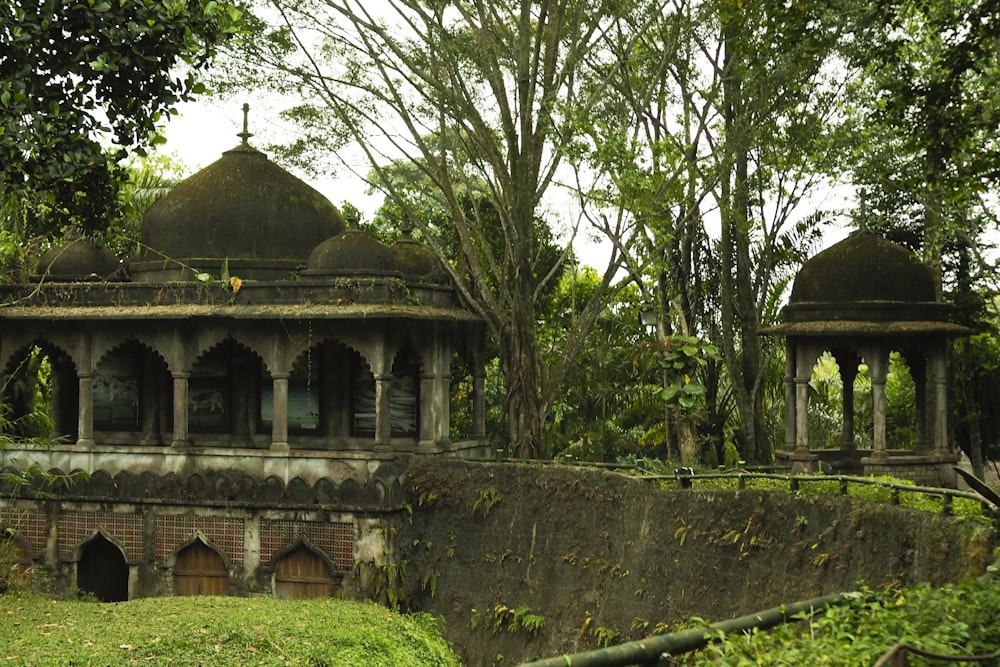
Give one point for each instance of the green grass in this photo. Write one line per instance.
(217, 631)
(954, 620)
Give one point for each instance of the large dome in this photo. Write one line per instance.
(865, 285)
(864, 267)
(242, 209)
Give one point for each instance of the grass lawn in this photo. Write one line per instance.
(216, 631)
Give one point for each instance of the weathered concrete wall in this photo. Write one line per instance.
(602, 557)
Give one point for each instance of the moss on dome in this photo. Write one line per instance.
(351, 251)
(864, 267)
(76, 261)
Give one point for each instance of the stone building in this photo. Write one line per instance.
(238, 400)
(860, 300)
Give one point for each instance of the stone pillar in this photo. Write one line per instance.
(918, 370)
(180, 409)
(878, 365)
(479, 405)
(848, 371)
(939, 436)
(803, 371)
(425, 442)
(85, 435)
(279, 413)
(790, 395)
(383, 418)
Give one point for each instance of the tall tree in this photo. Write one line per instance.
(498, 85)
(78, 77)
(721, 123)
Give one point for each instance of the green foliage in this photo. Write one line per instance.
(220, 631)
(508, 619)
(952, 620)
(77, 77)
(682, 358)
(488, 497)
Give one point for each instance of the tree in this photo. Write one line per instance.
(79, 77)
(483, 97)
(723, 117)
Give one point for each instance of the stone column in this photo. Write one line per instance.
(790, 395)
(425, 442)
(848, 371)
(279, 413)
(803, 372)
(939, 436)
(878, 366)
(918, 370)
(180, 409)
(479, 405)
(383, 418)
(85, 435)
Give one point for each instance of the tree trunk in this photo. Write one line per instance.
(519, 363)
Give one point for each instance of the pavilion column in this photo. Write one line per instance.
(479, 405)
(848, 371)
(918, 371)
(180, 409)
(879, 367)
(425, 443)
(279, 412)
(383, 416)
(790, 395)
(85, 435)
(940, 387)
(804, 363)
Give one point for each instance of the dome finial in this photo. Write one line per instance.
(245, 134)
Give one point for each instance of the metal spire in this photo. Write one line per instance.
(245, 134)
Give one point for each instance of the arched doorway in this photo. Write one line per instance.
(200, 570)
(303, 573)
(102, 571)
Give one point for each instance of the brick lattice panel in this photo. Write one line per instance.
(125, 529)
(30, 524)
(334, 538)
(226, 533)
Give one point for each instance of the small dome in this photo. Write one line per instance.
(242, 208)
(415, 260)
(351, 251)
(78, 260)
(864, 267)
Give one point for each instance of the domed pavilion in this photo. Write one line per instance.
(242, 395)
(860, 300)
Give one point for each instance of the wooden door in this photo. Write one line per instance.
(303, 573)
(200, 570)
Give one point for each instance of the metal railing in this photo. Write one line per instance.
(657, 650)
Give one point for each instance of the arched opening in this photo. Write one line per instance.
(40, 394)
(404, 395)
(133, 393)
(224, 391)
(102, 570)
(200, 570)
(302, 573)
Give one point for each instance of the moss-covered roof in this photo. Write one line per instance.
(350, 251)
(77, 260)
(864, 267)
(242, 206)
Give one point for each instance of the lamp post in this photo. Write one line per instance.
(647, 317)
